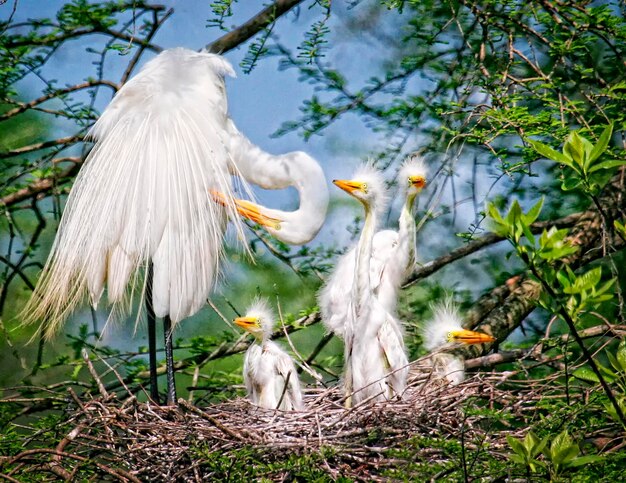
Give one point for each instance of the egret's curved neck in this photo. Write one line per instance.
(295, 169)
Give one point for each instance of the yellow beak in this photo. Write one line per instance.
(471, 337)
(248, 210)
(418, 181)
(348, 185)
(246, 323)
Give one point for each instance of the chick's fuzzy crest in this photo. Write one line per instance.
(261, 310)
(375, 192)
(414, 166)
(445, 319)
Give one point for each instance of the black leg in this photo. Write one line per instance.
(94, 321)
(169, 361)
(154, 387)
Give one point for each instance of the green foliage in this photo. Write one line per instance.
(527, 450)
(582, 157)
(221, 10)
(615, 375)
(563, 454)
(250, 464)
(546, 256)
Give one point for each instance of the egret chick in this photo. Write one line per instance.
(365, 367)
(269, 373)
(444, 328)
(392, 260)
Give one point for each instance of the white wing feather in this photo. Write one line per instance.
(334, 296)
(266, 371)
(391, 340)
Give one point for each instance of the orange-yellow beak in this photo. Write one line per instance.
(246, 323)
(348, 185)
(418, 181)
(471, 337)
(248, 210)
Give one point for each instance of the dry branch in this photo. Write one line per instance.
(238, 36)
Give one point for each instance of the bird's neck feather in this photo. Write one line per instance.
(407, 227)
(363, 255)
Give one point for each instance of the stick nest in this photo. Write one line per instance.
(133, 441)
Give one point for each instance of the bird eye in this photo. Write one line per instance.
(449, 337)
(410, 180)
(364, 188)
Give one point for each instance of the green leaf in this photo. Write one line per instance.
(586, 374)
(517, 446)
(520, 460)
(619, 227)
(534, 212)
(613, 163)
(547, 152)
(566, 454)
(621, 355)
(575, 149)
(601, 145)
(514, 214)
(562, 278)
(539, 446)
(585, 460)
(570, 183)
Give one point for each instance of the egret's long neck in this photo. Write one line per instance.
(273, 172)
(361, 286)
(407, 232)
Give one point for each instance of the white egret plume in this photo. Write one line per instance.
(269, 373)
(392, 260)
(445, 327)
(364, 371)
(143, 194)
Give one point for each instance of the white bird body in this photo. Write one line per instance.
(445, 327)
(269, 373)
(164, 143)
(392, 260)
(364, 373)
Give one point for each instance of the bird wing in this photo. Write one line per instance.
(286, 375)
(335, 295)
(143, 194)
(251, 365)
(383, 250)
(391, 342)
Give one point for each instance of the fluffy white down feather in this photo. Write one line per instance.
(266, 370)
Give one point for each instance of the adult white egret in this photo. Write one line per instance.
(141, 203)
(446, 327)
(269, 373)
(393, 258)
(364, 371)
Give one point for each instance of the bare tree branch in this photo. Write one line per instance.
(238, 36)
